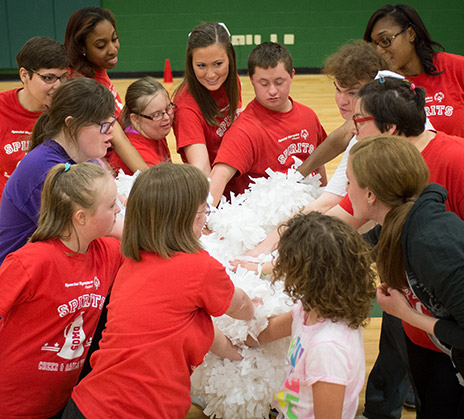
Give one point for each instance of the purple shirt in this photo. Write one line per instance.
(20, 204)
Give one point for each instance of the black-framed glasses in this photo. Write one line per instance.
(364, 119)
(157, 116)
(51, 78)
(105, 126)
(386, 41)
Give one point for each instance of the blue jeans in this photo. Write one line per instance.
(388, 383)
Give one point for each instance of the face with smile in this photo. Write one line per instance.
(103, 216)
(102, 46)
(156, 105)
(37, 94)
(345, 98)
(211, 66)
(91, 143)
(363, 129)
(272, 87)
(401, 54)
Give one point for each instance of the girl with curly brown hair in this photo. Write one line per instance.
(327, 271)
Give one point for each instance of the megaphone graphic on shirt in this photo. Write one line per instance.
(75, 337)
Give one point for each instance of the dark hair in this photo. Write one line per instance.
(41, 52)
(394, 101)
(161, 209)
(268, 55)
(354, 63)
(85, 100)
(395, 172)
(405, 16)
(137, 95)
(81, 23)
(65, 188)
(203, 36)
(327, 266)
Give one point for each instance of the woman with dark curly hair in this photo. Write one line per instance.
(327, 271)
(401, 36)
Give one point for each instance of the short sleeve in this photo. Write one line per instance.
(217, 290)
(236, 150)
(14, 281)
(188, 127)
(329, 362)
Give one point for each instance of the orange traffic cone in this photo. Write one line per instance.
(167, 71)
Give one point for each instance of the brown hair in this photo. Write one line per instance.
(327, 266)
(395, 172)
(81, 23)
(203, 36)
(269, 55)
(137, 96)
(41, 52)
(161, 209)
(85, 100)
(66, 188)
(354, 63)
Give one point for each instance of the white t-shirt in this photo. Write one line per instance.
(325, 351)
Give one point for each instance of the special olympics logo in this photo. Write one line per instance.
(439, 96)
(96, 282)
(304, 133)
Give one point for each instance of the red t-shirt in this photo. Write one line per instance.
(444, 102)
(51, 301)
(153, 152)
(191, 128)
(159, 329)
(102, 77)
(16, 125)
(262, 139)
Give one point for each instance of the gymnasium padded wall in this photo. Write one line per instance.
(151, 31)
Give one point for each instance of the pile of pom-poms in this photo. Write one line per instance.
(244, 389)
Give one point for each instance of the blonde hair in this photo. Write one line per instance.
(66, 187)
(395, 172)
(326, 265)
(161, 209)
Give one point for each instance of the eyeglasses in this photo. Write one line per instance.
(206, 211)
(157, 116)
(358, 120)
(105, 126)
(386, 41)
(52, 78)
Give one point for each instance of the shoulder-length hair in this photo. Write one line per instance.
(161, 209)
(81, 23)
(203, 36)
(405, 16)
(395, 172)
(85, 100)
(137, 96)
(326, 265)
(66, 189)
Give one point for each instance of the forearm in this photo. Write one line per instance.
(223, 347)
(241, 307)
(279, 327)
(267, 245)
(220, 176)
(126, 151)
(197, 155)
(335, 143)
